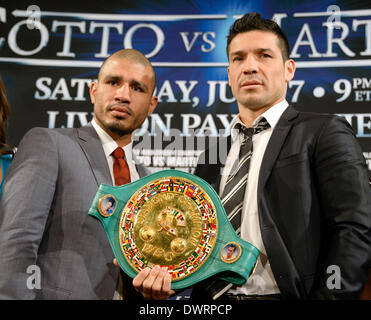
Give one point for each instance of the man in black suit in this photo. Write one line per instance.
(307, 202)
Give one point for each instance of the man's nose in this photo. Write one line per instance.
(250, 65)
(122, 93)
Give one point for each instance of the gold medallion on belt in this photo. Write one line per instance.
(169, 222)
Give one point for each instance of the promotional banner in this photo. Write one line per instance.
(51, 52)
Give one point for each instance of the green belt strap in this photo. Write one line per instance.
(174, 219)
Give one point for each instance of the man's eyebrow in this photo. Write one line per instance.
(237, 53)
(119, 78)
(112, 77)
(242, 52)
(264, 50)
(138, 83)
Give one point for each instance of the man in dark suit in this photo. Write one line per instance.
(49, 188)
(307, 202)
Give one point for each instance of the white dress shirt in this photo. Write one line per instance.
(262, 281)
(109, 145)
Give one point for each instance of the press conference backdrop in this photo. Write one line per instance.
(50, 52)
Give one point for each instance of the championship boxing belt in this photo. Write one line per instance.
(175, 219)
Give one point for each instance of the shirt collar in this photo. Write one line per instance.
(109, 145)
(272, 115)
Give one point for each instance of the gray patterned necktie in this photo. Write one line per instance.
(234, 194)
(234, 190)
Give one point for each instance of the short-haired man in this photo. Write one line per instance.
(301, 193)
(52, 181)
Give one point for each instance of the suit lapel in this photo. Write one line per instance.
(275, 144)
(93, 150)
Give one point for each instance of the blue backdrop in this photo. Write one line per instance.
(50, 53)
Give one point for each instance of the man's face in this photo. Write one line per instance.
(122, 97)
(230, 252)
(257, 74)
(107, 206)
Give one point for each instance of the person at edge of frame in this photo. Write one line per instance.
(6, 154)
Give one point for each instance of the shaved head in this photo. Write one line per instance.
(134, 56)
(123, 95)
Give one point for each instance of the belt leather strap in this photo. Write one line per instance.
(174, 219)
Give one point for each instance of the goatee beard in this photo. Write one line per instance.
(117, 129)
(114, 128)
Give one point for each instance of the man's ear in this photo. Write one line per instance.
(152, 106)
(92, 91)
(290, 68)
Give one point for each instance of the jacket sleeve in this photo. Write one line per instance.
(345, 194)
(27, 196)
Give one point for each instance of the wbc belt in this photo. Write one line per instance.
(174, 219)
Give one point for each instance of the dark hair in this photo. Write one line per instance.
(4, 113)
(254, 21)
